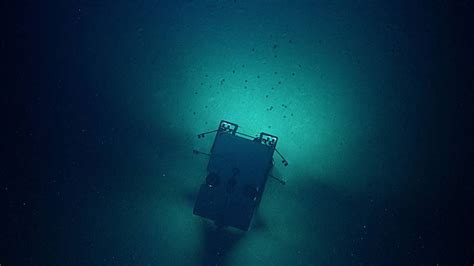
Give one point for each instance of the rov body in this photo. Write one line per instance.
(238, 168)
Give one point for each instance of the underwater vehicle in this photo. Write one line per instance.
(238, 168)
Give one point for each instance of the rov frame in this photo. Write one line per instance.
(238, 168)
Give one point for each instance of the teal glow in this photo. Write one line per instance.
(334, 106)
(308, 102)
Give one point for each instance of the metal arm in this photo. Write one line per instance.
(283, 182)
(284, 161)
(200, 152)
(205, 133)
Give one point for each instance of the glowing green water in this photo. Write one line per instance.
(330, 81)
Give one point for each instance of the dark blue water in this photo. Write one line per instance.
(371, 102)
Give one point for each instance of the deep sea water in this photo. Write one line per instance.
(355, 91)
